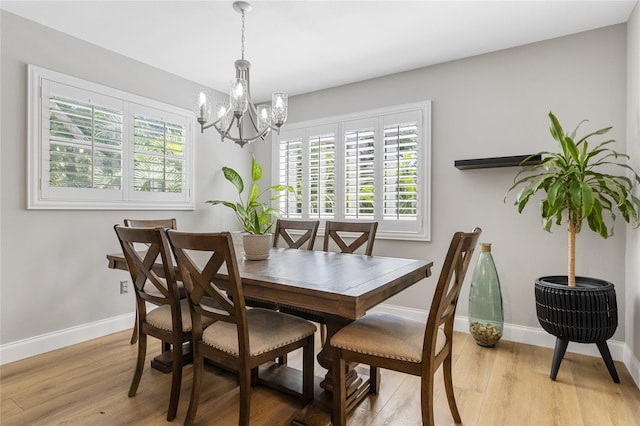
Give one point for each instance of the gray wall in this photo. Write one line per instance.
(632, 299)
(496, 105)
(53, 270)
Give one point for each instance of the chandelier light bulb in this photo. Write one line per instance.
(264, 117)
(222, 108)
(203, 106)
(279, 103)
(238, 96)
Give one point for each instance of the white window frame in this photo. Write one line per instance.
(419, 230)
(41, 196)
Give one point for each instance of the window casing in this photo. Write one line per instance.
(94, 147)
(372, 165)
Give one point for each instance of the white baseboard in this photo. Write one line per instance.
(516, 333)
(37, 345)
(633, 364)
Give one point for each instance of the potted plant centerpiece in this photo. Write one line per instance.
(579, 184)
(254, 215)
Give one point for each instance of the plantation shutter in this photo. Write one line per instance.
(290, 173)
(322, 169)
(159, 153)
(83, 149)
(359, 169)
(400, 167)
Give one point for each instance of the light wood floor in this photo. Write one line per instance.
(87, 384)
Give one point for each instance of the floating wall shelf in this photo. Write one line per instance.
(492, 162)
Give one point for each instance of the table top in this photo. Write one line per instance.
(344, 285)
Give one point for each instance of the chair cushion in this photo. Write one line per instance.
(160, 317)
(268, 330)
(387, 336)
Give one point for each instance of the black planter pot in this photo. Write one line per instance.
(586, 313)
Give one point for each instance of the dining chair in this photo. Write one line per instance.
(239, 339)
(363, 235)
(283, 226)
(147, 223)
(170, 321)
(396, 343)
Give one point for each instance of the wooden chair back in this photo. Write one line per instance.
(283, 227)
(191, 249)
(445, 298)
(147, 223)
(148, 284)
(365, 236)
(151, 223)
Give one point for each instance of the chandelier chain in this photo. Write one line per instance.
(242, 39)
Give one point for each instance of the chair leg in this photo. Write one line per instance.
(339, 390)
(426, 399)
(255, 377)
(608, 361)
(142, 352)
(176, 381)
(558, 354)
(245, 396)
(198, 371)
(448, 386)
(307, 370)
(134, 334)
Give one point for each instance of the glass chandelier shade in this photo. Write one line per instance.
(262, 119)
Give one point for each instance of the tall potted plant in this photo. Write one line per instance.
(579, 184)
(254, 215)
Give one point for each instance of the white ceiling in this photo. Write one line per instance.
(303, 46)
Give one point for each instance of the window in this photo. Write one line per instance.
(366, 166)
(94, 147)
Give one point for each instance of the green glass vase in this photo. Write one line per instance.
(486, 318)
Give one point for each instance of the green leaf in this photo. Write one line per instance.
(555, 127)
(226, 203)
(588, 199)
(253, 194)
(256, 170)
(233, 177)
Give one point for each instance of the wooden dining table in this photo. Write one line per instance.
(342, 287)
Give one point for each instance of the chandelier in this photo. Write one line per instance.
(229, 117)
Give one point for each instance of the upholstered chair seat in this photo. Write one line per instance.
(387, 336)
(161, 317)
(268, 331)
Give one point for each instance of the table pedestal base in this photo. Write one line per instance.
(164, 362)
(358, 385)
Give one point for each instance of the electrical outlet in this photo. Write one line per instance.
(124, 287)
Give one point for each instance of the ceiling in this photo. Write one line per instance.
(303, 46)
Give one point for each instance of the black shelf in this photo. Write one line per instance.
(492, 162)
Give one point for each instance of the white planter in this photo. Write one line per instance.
(256, 247)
